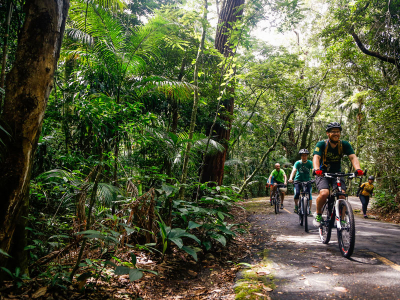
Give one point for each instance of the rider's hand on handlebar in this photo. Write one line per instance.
(290, 180)
(318, 172)
(359, 172)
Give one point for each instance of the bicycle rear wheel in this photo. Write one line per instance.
(277, 203)
(306, 210)
(347, 233)
(325, 229)
(300, 211)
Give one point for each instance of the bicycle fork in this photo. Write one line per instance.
(337, 213)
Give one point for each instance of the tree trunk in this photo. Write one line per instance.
(231, 11)
(28, 86)
(5, 46)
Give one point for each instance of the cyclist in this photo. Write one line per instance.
(302, 170)
(327, 158)
(364, 192)
(279, 178)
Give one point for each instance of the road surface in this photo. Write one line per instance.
(304, 268)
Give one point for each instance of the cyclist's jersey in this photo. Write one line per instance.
(278, 177)
(333, 159)
(303, 170)
(367, 189)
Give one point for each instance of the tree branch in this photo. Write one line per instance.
(385, 58)
(268, 151)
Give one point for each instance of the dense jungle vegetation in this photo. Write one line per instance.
(139, 123)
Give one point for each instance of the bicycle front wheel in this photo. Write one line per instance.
(347, 233)
(325, 229)
(300, 211)
(277, 203)
(306, 210)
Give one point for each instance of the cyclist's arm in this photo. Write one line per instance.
(284, 176)
(316, 161)
(269, 179)
(354, 161)
(292, 174)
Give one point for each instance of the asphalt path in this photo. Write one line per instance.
(304, 268)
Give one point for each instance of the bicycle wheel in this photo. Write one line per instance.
(306, 210)
(347, 233)
(325, 229)
(300, 211)
(277, 203)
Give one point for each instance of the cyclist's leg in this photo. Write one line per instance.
(310, 198)
(364, 202)
(296, 196)
(323, 187)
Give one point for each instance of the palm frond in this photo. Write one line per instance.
(107, 193)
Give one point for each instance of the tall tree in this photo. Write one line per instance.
(231, 12)
(28, 86)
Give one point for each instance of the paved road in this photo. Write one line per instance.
(304, 268)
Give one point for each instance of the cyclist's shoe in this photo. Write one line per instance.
(317, 221)
(365, 217)
(343, 223)
(296, 209)
(309, 213)
(281, 206)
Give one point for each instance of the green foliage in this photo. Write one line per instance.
(385, 203)
(17, 277)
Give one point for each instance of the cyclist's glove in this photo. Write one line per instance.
(359, 172)
(318, 172)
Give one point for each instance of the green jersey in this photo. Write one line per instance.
(279, 177)
(303, 170)
(333, 158)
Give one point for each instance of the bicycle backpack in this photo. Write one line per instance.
(340, 152)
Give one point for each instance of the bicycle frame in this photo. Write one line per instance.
(336, 195)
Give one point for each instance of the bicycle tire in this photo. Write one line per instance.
(346, 235)
(307, 206)
(300, 211)
(277, 203)
(325, 229)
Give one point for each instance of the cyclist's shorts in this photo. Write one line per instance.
(323, 183)
(296, 191)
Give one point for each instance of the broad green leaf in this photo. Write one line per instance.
(193, 225)
(190, 251)
(220, 238)
(177, 241)
(4, 253)
(135, 274)
(122, 270)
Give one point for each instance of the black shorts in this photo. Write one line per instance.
(323, 183)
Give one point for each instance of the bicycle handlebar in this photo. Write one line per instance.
(350, 175)
(305, 182)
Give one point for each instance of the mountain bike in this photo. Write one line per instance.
(276, 197)
(304, 203)
(338, 210)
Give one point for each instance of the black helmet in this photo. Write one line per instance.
(333, 125)
(371, 178)
(304, 151)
